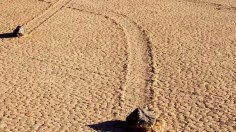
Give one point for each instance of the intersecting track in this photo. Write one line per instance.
(138, 87)
(218, 6)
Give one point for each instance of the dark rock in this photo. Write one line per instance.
(19, 31)
(141, 120)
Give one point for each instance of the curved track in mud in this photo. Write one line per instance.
(137, 90)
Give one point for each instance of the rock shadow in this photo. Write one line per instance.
(110, 126)
(8, 35)
(12, 34)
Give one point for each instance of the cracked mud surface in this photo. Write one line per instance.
(87, 62)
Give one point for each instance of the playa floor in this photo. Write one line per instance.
(83, 64)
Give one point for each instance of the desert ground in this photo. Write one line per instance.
(83, 64)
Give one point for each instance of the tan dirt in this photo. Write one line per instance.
(87, 62)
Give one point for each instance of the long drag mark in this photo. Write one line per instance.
(137, 90)
(43, 17)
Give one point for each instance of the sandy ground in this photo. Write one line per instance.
(85, 63)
